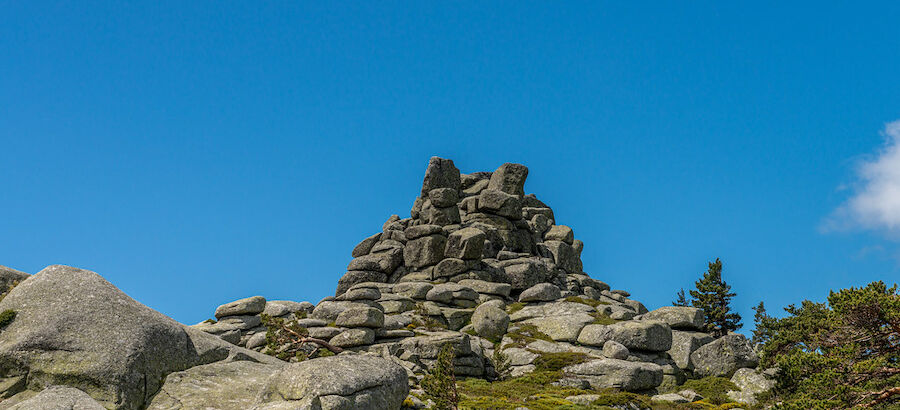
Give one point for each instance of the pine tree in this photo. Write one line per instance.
(713, 295)
(681, 300)
(762, 322)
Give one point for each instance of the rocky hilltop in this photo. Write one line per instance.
(479, 266)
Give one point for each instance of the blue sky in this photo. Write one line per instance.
(197, 152)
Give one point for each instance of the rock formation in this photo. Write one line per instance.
(479, 266)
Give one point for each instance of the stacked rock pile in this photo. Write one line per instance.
(481, 266)
(240, 322)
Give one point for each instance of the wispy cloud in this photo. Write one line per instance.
(875, 204)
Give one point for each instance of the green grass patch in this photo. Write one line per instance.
(556, 361)
(524, 334)
(713, 389)
(514, 307)
(602, 319)
(6, 317)
(533, 390)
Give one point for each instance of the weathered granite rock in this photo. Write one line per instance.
(384, 262)
(614, 373)
(560, 233)
(355, 277)
(339, 382)
(360, 317)
(277, 308)
(615, 350)
(752, 381)
(564, 256)
(61, 312)
(724, 356)
(424, 251)
(542, 292)
(55, 398)
(354, 337)
(684, 343)
(648, 336)
(365, 245)
(678, 317)
(562, 328)
(500, 203)
(466, 243)
(227, 386)
(441, 173)
(490, 288)
(490, 322)
(249, 306)
(670, 398)
(9, 277)
(414, 290)
(509, 178)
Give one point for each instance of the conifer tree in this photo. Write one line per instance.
(680, 300)
(713, 295)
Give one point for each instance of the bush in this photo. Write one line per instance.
(6, 317)
(439, 383)
(838, 354)
(713, 389)
(556, 361)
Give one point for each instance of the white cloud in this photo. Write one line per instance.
(876, 202)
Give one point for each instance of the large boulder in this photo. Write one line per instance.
(542, 292)
(424, 251)
(678, 317)
(647, 336)
(248, 306)
(509, 178)
(684, 343)
(615, 373)
(490, 322)
(351, 381)
(76, 329)
(561, 328)
(466, 243)
(228, 386)
(441, 173)
(724, 356)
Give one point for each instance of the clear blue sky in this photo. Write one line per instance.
(197, 152)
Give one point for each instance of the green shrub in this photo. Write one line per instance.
(525, 333)
(602, 319)
(556, 361)
(439, 383)
(713, 389)
(6, 317)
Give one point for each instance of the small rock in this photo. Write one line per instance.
(560, 233)
(615, 350)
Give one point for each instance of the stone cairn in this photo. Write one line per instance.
(478, 262)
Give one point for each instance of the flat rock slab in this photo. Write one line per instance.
(562, 328)
(228, 386)
(53, 398)
(550, 309)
